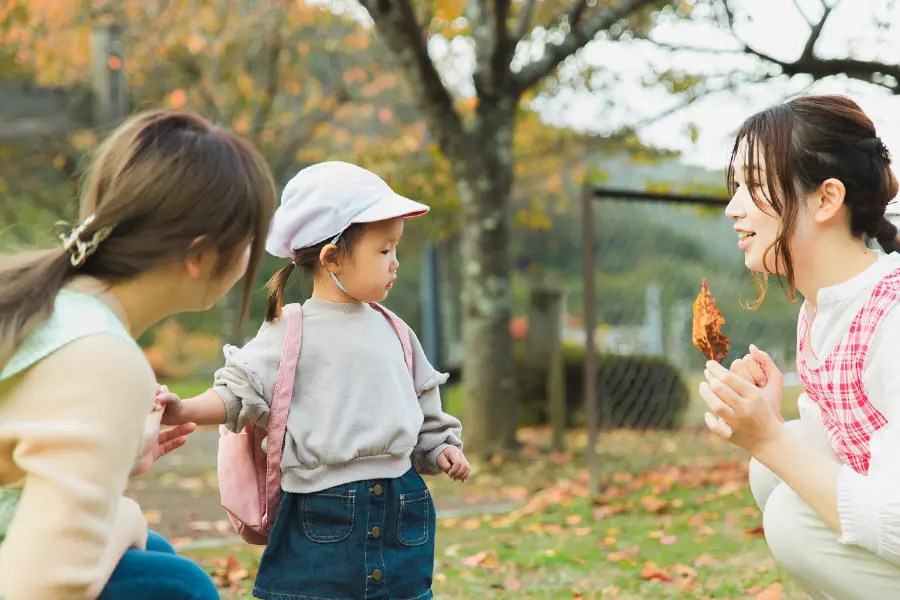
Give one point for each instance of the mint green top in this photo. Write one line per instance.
(75, 315)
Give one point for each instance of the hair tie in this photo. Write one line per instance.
(79, 250)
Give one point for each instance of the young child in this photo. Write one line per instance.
(811, 181)
(174, 211)
(356, 520)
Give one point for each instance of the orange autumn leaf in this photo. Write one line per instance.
(773, 592)
(706, 333)
(651, 572)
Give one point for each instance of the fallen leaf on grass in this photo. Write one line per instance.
(651, 572)
(610, 591)
(581, 531)
(755, 531)
(229, 572)
(654, 504)
(513, 584)
(623, 555)
(668, 540)
(487, 559)
(773, 592)
(684, 571)
(607, 510)
(235, 570)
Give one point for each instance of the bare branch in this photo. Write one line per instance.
(524, 19)
(814, 34)
(799, 8)
(819, 68)
(680, 48)
(579, 35)
(396, 21)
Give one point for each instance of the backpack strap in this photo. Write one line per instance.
(402, 333)
(281, 403)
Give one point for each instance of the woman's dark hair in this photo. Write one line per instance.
(804, 142)
(307, 259)
(164, 185)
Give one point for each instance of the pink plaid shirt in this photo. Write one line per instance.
(848, 364)
(836, 384)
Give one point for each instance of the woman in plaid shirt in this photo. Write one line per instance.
(811, 181)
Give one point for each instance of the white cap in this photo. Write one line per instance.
(323, 200)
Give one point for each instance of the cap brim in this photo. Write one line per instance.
(391, 207)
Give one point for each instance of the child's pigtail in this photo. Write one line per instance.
(275, 286)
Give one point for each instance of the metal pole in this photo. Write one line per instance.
(590, 353)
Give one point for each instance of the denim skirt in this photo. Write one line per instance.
(358, 541)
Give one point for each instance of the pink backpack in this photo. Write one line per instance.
(249, 478)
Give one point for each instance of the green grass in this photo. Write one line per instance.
(675, 519)
(188, 388)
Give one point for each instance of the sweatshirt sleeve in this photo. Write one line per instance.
(439, 430)
(76, 444)
(246, 381)
(869, 505)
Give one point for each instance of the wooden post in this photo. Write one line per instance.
(108, 76)
(590, 351)
(544, 353)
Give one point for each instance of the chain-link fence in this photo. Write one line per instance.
(650, 258)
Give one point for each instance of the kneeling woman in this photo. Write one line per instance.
(811, 181)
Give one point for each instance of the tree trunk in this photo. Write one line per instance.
(484, 186)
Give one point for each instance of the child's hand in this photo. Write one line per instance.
(158, 443)
(453, 462)
(174, 408)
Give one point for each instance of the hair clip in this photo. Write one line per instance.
(79, 250)
(883, 150)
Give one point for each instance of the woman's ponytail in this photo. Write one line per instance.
(886, 235)
(29, 283)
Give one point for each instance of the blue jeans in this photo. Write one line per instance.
(364, 540)
(157, 573)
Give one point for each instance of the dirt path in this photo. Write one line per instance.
(180, 494)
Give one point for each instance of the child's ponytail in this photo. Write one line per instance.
(275, 298)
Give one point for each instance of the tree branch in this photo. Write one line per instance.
(493, 47)
(579, 35)
(799, 8)
(407, 40)
(820, 68)
(524, 19)
(814, 34)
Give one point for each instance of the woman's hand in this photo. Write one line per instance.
(746, 412)
(159, 443)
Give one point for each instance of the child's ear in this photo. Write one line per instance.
(195, 261)
(329, 259)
